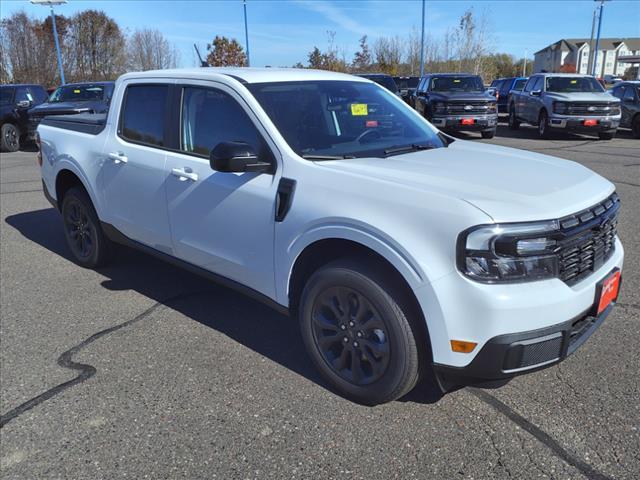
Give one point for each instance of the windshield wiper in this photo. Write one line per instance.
(326, 157)
(408, 148)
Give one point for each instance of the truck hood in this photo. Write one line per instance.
(507, 184)
(583, 97)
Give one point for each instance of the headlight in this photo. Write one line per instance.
(615, 109)
(517, 252)
(560, 107)
(439, 107)
(491, 107)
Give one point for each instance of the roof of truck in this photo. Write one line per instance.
(246, 75)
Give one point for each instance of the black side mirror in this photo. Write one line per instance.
(237, 157)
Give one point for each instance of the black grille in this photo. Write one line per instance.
(524, 354)
(588, 240)
(469, 107)
(593, 109)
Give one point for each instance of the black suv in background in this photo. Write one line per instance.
(74, 98)
(407, 86)
(458, 102)
(629, 95)
(383, 79)
(15, 101)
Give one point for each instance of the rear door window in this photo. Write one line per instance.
(142, 119)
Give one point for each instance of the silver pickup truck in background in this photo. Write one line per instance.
(565, 102)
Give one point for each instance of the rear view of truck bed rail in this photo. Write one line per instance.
(92, 123)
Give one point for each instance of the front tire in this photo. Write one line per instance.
(635, 127)
(514, 124)
(543, 124)
(86, 240)
(605, 135)
(488, 133)
(10, 140)
(356, 329)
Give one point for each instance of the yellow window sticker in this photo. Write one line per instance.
(359, 109)
(76, 91)
(573, 82)
(456, 80)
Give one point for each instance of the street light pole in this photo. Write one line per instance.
(595, 57)
(51, 3)
(246, 32)
(422, 44)
(524, 64)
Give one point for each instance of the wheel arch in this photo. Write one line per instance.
(323, 251)
(67, 178)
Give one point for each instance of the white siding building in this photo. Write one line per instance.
(570, 53)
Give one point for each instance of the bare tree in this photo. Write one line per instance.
(97, 46)
(389, 54)
(148, 49)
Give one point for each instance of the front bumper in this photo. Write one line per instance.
(454, 122)
(576, 123)
(496, 315)
(505, 356)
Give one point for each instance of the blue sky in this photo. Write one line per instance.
(283, 32)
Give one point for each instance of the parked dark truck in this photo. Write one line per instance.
(15, 101)
(74, 98)
(565, 102)
(458, 102)
(407, 86)
(629, 95)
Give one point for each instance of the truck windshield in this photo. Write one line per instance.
(342, 119)
(573, 84)
(81, 93)
(455, 84)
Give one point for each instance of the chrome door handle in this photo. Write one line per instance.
(183, 174)
(118, 157)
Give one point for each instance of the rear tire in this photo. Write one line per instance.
(488, 133)
(514, 124)
(10, 140)
(605, 135)
(86, 240)
(543, 124)
(355, 326)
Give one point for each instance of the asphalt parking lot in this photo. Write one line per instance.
(141, 370)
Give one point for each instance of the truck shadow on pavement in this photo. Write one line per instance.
(260, 329)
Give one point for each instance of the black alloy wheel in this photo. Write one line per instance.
(10, 138)
(82, 230)
(351, 335)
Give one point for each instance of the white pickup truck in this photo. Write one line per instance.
(400, 249)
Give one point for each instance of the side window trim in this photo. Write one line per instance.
(176, 127)
(167, 115)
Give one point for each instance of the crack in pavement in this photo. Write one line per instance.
(21, 191)
(86, 371)
(542, 436)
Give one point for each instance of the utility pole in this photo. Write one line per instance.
(524, 64)
(422, 44)
(593, 30)
(595, 57)
(246, 32)
(51, 3)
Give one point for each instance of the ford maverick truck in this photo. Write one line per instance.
(565, 103)
(401, 250)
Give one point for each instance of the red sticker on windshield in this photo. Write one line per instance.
(371, 123)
